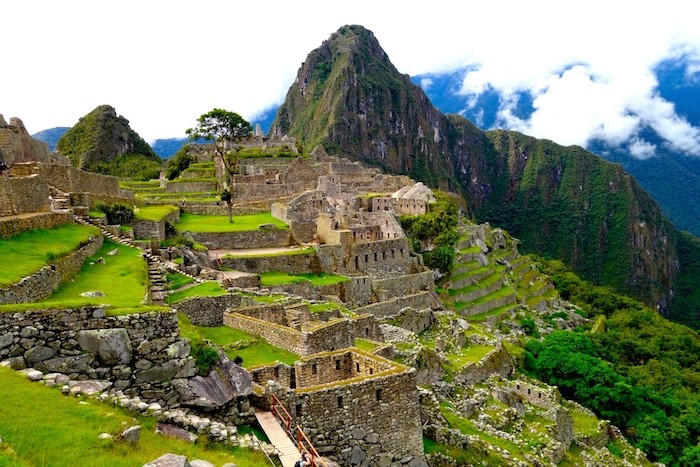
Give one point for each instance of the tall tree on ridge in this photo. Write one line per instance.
(225, 129)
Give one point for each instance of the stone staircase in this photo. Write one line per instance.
(159, 283)
(151, 258)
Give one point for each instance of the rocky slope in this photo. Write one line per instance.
(99, 138)
(560, 201)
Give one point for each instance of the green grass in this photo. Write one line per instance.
(123, 279)
(96, 215)
(253, 349)
(177, 280)
(206, 289)
(45, 428)
(202, 223)
(487, 314)
(273, 278)
(584, 424)
(328, 306)
(29, 251)
(467, 355)
(292, 251)
(154, 213)
(366, 345)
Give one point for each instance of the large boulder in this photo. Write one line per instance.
(224, 383)
(112, 346)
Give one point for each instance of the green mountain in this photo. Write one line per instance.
(51, 136)
(560, 201)
(103, 142)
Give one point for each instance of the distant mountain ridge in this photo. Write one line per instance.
(560, 201)
(671, 177)
(51, 136)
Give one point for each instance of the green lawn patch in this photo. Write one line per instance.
(202, 223)
(273, 278)
(254, 350)
(123, 279)
(328, 306)
(154, 213)
(27, 252)
(487, 314)
(584, 423)
(43, 427)
(206, 289)
(177, 280)
(96, 215)
(292, 251)
(366, 345)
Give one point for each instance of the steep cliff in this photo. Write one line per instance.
(561, 201)
(100, 138)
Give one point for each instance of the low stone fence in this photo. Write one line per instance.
(497, 361)
(286, 263)
(490, 305)
(207, 311)
(191, 186)
(390, 308)
(23, 195)
(10, 226)
(221, 209)
(275, 334)
(146, 229)
(401, 286)
(46, 280)
(248, 239)
(140, 353)
(69, 179)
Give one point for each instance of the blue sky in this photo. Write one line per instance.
(161, 64)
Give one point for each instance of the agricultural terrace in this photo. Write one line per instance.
(203, 223)
(154, 213)
(123, 279)
(27, 252)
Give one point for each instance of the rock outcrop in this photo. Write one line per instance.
(17, 146)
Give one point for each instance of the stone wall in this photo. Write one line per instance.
(490, 305)
(337, 366)
(370, 420)
(145, 229)
(247, 239)
(409, 284)
(207, 311)
(246, 192)
(44, 282)
(140, 353)
(23, 195)
(185, 186)
(69, 179)
(410, 207)
(390, 308)
(300, 170)
(270, 312)
(279, 336)
(289, 264)
(281, 373)
(10, 226)
(380, 257)
(333, 335)
(498, 361)
(414, 320)
(357, 291)
(16, 145)
(212, 209)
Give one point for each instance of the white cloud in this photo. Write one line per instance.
(642, 149)
(425, 83)
(161, 63)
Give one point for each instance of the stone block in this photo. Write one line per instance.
(112, 346)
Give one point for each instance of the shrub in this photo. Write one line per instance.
(178, 163)
(116, 213)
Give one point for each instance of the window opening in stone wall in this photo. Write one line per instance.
(314, 369)
(366, 332)
(340, 402)
(357, 367)
(298, 410)
(379, 394)
(337, 364)
(371, 371)
(277, 372)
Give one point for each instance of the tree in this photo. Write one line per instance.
(224, 128)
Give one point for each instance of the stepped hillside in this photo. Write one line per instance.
(102, 140)
(562, 201)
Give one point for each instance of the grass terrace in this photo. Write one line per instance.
(273, 278)
(202, 223)
(254, 350)
(177, 280)
(154, 213)
(123, 279)
(206, 289)
(39, 426)
(289, 252)
(27, 252)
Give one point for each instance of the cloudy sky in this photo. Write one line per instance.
(161, 64)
